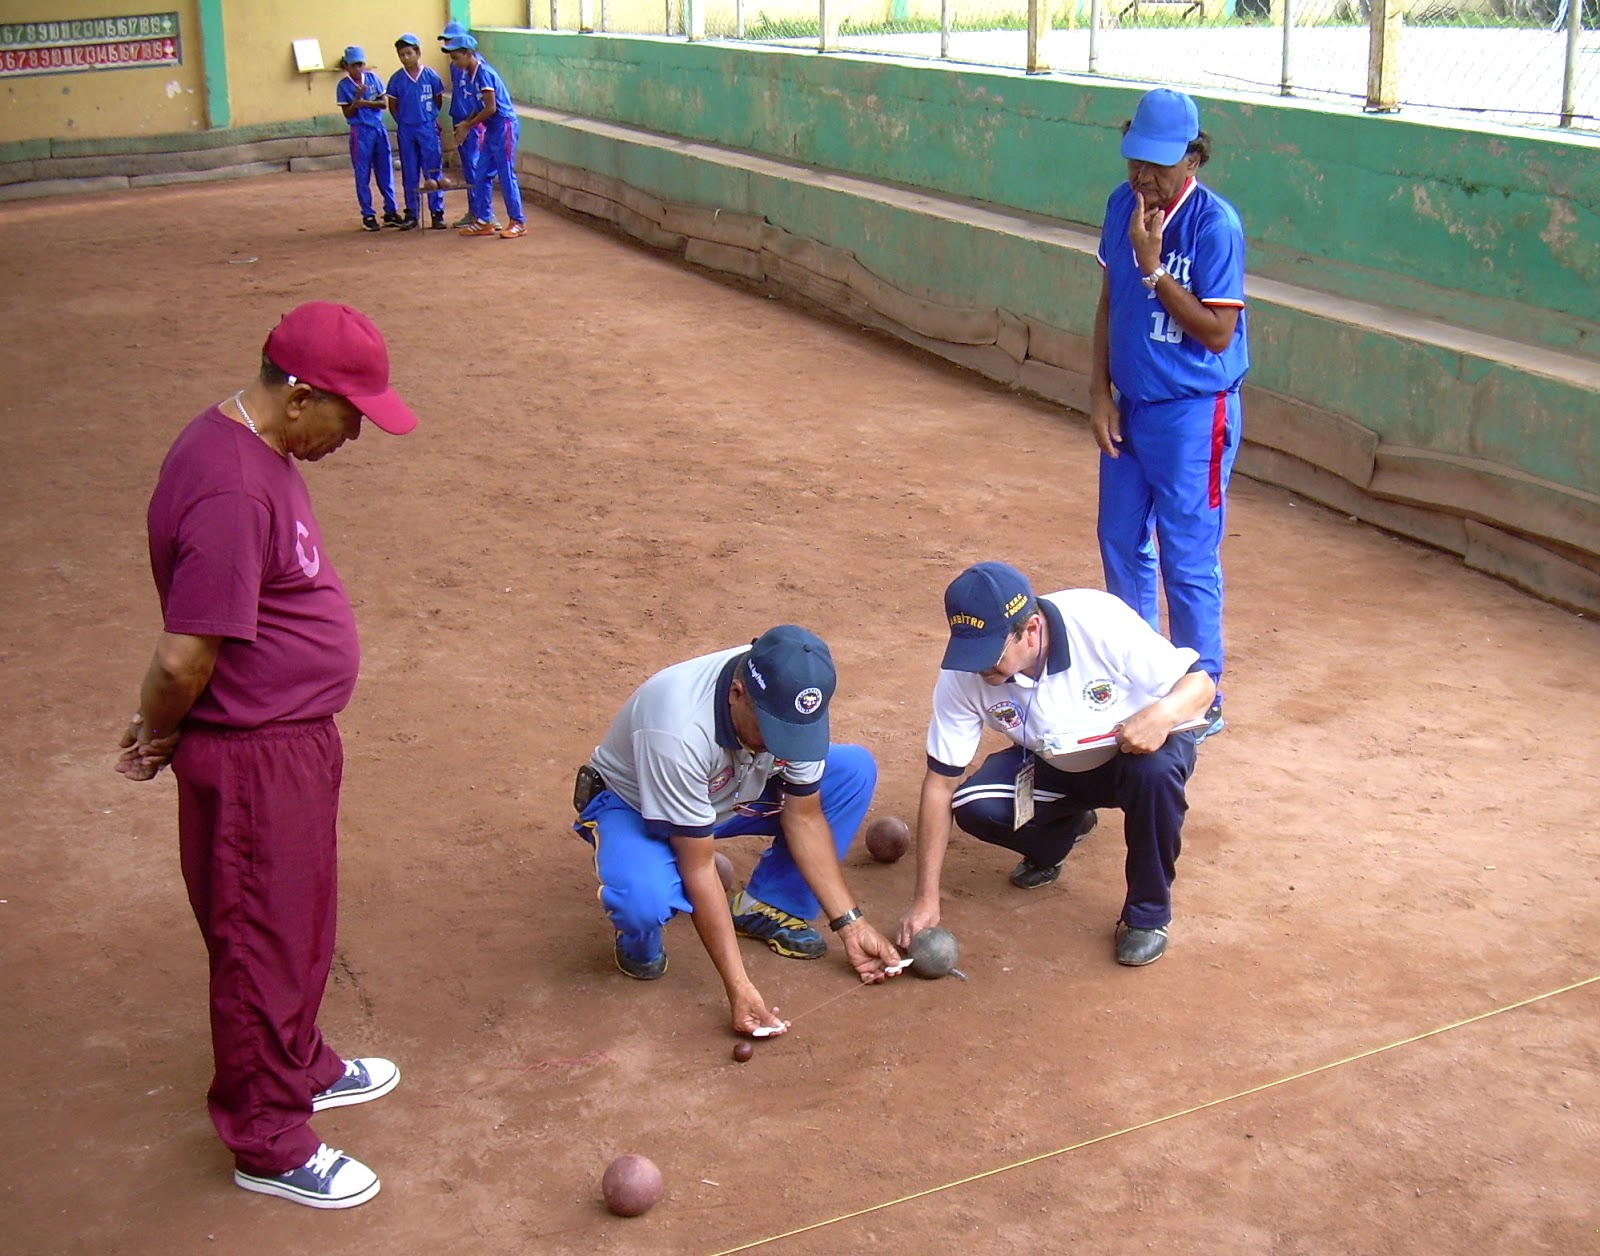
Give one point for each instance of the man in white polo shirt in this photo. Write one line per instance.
(730, 744)
(1091, 698)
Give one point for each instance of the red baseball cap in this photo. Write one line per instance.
(337, 349)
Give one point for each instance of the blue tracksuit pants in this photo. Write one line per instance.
(498, 159)
(1168, 491)
(420, 158)
(639, 883)
(1150, 790)
(372, 158)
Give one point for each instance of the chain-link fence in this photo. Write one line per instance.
(1531, 62)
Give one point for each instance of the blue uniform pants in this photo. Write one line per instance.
(498, 159)
(1169, 488)
(372, 158)
(470, 150)
(639, 883)
(1148, 788)
(420, 158)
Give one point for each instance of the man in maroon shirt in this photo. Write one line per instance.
(258, 654)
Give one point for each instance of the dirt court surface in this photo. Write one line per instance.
(623, 463)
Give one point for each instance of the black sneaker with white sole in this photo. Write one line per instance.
(330, 1179)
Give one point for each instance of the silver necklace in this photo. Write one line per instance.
(238, 401)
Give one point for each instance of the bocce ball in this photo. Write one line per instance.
(888, 838)
(631, 1185)
(935, 952)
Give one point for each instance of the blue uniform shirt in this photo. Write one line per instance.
(416, 98)
(488, 79)
(464, 102)
(1152, 359)
(370, 88)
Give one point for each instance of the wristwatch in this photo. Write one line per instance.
(1154, 277)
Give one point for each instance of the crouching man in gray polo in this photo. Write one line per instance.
(726, 745)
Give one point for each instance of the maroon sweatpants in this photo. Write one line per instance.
(257, 836)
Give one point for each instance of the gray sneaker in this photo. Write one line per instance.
(1138, 947)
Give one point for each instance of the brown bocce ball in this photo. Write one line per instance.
(631, 1185)
(724, 869)
(742, 1051)
(888, 838)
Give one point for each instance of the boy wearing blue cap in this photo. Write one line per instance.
(496, 114)
(727, 745)
(362, 99)
(1098, 708)
(415, 93)
(468, 145)
(1170, 352)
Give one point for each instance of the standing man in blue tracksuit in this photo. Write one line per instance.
(364, 102)
(1170, 351)
(415, 92)
(498, 118)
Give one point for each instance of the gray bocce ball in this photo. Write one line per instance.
(935, 952)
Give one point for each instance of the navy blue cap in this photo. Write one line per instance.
(1163, 126)
(983, 604)
(789, 675)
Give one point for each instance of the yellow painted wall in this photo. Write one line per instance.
(262, 83)
(98, 104)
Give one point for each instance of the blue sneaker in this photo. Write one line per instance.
(640, 959)
(1214, 721)
(363, 1080)
(330, 1179)
(788, 935)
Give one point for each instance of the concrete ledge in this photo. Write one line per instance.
(1541, 536)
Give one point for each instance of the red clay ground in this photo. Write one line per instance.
(623, 463)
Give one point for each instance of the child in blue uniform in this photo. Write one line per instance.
(498, 118)
(362, 99)
(469, 145)
(415, 91)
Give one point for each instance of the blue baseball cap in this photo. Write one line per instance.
(790, 676)
(457, 42)
(983, 604)
(452, 28)
(354, 53)
(409, 38)
(1163, 126)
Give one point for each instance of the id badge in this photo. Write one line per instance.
(1023, 812)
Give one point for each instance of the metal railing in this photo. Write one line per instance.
(1520, 62)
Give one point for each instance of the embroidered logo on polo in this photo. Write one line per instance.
(719, 782)
(1006, 715)
(1099, 693)
(808, 700)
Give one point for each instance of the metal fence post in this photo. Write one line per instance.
(1569, 75)
(1286, 75)
(1383, 56)
(1038, 36)
(738, 19)
(555, 16)
(827, 27)
(694, 18)
(1094, 33)
(946, 17)
(586, 16)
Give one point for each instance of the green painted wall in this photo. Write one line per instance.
(1497, 232)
